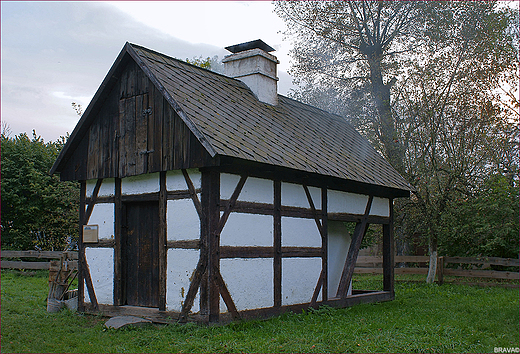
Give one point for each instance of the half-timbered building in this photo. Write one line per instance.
(214, 197)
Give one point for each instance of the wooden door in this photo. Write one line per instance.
(140, 252)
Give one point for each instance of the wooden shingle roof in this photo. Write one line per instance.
(229, 120)
(291, 134)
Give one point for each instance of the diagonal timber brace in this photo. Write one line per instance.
(353, 251)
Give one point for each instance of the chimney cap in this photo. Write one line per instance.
(250, 45)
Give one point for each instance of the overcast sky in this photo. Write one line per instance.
(56, 53)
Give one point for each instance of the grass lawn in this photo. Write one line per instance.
(423, 318)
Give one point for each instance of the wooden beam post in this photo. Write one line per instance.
(163, 200)
(118, 265)
(388, 251)
(277, 244)
(353, 251)
(324, 245)
(211, 209)
(81, 247)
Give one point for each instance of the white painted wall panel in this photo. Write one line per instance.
(107, 187)
(338, 245)
(299, 278)
(343, 202)
(103, 215)
(175, 180)
(294, 195)
(249, 281)
(228, 184)
(182, 221)
(181, 266)
(256, 190)
(247, 230)
(147, 183)
(380, 207)
(300, 232)
(101, 264)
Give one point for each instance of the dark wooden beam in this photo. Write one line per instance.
(211, 203)
(118, 220)
(388, 251)
(277, 243)
(324, 244)
(184, 244)
(226, 296)
(269, 252)
(90, 207)
(194, 287)
(231, 203)
(353, 251)
(81, 247)
(315, 215)
(317, 289)
(162, 240)
(193, 192)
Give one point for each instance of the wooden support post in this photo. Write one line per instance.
(81, 247)
(118, 265)
(226, 296)
(440, 270)
(163, 199)
(277, 244)
(324, 245)
(211, 207)
(388, 251)
(194, 286)
(319, 286)
(353, 251)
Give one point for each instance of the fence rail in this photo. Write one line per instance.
(33, 265)
(373, 265)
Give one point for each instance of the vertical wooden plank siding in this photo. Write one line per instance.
(213, 218)
(324, 245)
(81, 247)
(388, 251)
(118, 210)
(162, 241)
(277, 244)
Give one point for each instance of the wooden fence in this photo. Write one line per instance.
(38, 255)
(466, 267)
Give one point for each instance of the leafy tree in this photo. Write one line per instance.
(38, 211)
(486, 224)
(209, 63)
(425, 82)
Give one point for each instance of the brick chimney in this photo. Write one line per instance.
(252, 64)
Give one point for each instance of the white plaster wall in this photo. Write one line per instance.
(107, 188)
(343, 202)
(182, 221)
(175, 180)
(249, 281)
(103, 215)
(294, 195)
(247, 230)
(101, 264)
(299, 278)
(380, 207)
(254, 190)
(181, 266)
(300, 232)
(338, 246)
(147, 183)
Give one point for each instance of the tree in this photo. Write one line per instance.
(420, 79)
(38, 211)
(208, 63)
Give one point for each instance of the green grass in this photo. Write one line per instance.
(423, 318)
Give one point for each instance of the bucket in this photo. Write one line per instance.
(72, 303)
(54, 305)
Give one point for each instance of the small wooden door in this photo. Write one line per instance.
(140, 253)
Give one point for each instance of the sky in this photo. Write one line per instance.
(56, 53)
